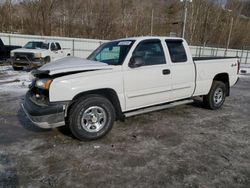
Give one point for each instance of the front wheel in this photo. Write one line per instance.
(17, 68)
(216, 96)
(47, 59)
(91, 117)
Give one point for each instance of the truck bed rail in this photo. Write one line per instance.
(212, 58)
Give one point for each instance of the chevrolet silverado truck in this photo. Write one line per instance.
(37, 53)
(5, 50)
(123, 78)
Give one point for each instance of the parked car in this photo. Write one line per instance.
(5, 50)
(123, 78)
(37, 53)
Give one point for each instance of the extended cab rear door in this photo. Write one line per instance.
(149, 84)
(182, 69)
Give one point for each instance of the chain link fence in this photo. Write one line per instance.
(79, 47)
(83, 47)
(202, 51)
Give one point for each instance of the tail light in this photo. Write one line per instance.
(238, 69)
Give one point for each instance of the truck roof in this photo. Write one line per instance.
(44, 41)
(149, 37)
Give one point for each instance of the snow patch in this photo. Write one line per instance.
(14, 81)
(245, 71)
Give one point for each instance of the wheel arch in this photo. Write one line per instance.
(108, 93)
(223, 77)
(48, 58)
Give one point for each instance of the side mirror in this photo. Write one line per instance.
(136, 61)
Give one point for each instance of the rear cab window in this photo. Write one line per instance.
(177, 51)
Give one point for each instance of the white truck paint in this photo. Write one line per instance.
(38, 53)
(152, 71)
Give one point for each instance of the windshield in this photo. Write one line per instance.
(112, 53)
(35, 45)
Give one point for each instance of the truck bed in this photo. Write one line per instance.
(208, 67)
(5, 50)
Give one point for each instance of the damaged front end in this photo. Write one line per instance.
(37, 105)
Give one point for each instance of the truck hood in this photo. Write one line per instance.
(73, 64)
(25, 50)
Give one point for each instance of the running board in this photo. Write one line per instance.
(156, 108)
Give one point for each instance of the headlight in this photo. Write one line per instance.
(38, 55)
(43, 83)
(12, 54)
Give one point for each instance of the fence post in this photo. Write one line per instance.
(246, 57)
(242, 51)
(73, 47)
(203, 49)
(200, 51)
(9, 40)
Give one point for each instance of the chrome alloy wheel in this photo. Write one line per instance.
(218, 96)
(93, 119)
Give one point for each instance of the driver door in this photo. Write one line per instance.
(149, 84)
(54, 52)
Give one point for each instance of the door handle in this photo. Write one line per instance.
(165, 71)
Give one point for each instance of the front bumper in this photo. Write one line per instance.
(28, 64)
(44, 116)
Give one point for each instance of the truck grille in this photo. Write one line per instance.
(21, 64)
(24, 56)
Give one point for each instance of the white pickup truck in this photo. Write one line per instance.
(123, 78)
(37, 53)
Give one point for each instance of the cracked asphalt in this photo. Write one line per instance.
(186, 146)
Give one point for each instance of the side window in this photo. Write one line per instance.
(151, 51)
(58, 46)
(109, 54)
(53, 46)
(177, 51)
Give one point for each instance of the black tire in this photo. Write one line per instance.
(214, 100)
(80, 108)
(17, 68)
(47, 59)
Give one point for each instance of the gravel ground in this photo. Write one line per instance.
(186, 146)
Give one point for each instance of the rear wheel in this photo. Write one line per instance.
(216, 96)
(91, 117)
